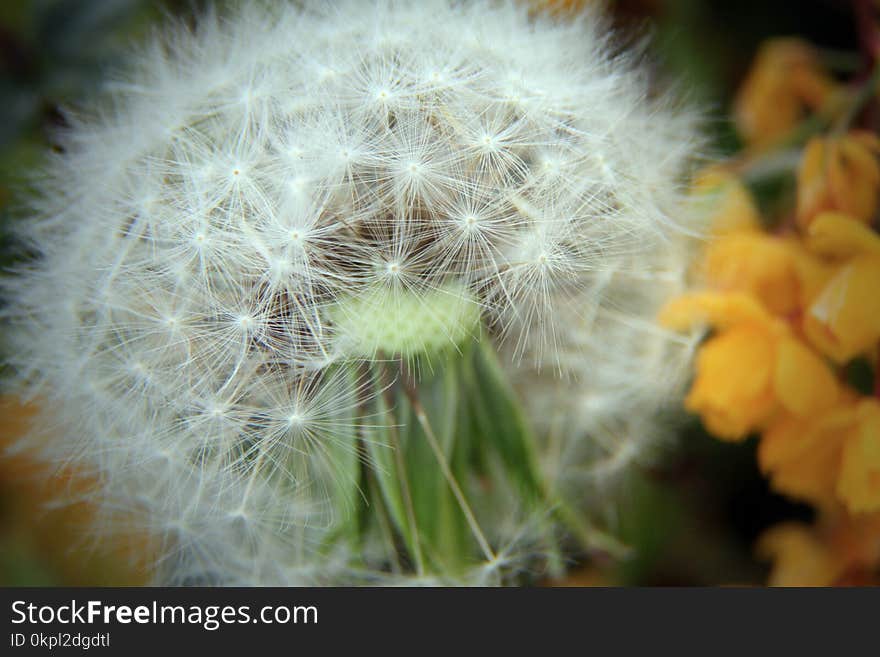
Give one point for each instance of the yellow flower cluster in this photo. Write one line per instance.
(786, 82)
(787, 308)
(791, 309)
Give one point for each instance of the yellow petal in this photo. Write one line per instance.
(803, 383)
(790, 437)
(725, 201)
(799, 557)
(838, 235)
(732, 391)
(839, 173)
(859, 483)
(785, 79)
(801, 460)
(852, 179)
(718, 309)
(756, 263)
(858, 148)
(812, 191)
(813, 272)
(844, 320)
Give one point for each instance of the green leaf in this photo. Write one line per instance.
(445, 535)
(343, 451)
(382, 441)
(500, 422)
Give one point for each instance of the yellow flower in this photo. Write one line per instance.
(839, 173)
(837, 235)
(838, 550)
(831, 456)
(859, 483)
(752, 369)
(800, 558)
(802, 381)
(741, 257)
(784, 82)
(778, 271)
(725, 202)
(843, 320)
(717, 309)
(801, 454)
(733, 391)
(813, 272)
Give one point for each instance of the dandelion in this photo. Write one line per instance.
(305, 281)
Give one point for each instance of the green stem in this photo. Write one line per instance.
(862, 97)
(384, 525)
(400, 464)
(412, 394)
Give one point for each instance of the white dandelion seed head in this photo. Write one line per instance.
(292, 186)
